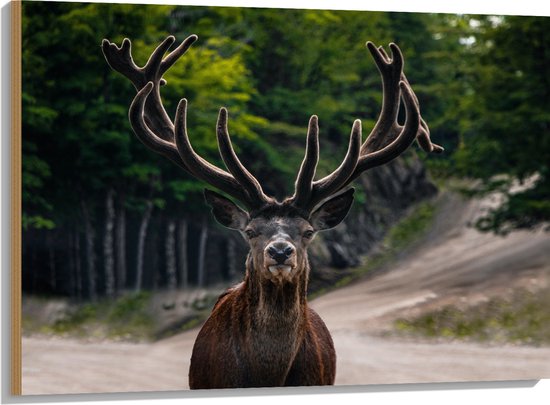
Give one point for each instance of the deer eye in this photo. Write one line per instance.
(308, 234)
(250, 233)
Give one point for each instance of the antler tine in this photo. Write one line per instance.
(423, 136)
(173, 56)
(145, 135)
(304, 180)
(330, 184)
(120, 59)
(423, 139)
(152, 67)
(391, 69)
(401, 142)
(234, 165)
(200, 167)
(155, 113)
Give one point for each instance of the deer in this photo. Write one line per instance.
(261, 332)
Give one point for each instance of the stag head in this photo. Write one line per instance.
(278, 232)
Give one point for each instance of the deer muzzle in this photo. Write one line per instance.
(280, 257)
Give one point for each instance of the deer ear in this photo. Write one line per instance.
(332, 212)
(225, 211)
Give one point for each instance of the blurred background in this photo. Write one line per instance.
(118, 243)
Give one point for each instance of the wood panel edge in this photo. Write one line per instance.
(16, 233)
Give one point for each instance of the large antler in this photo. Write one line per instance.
(387, 140)
(151, 124)
(154, 128)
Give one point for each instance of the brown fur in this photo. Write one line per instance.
(263, 334)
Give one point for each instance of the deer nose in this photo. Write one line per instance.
(280, 253)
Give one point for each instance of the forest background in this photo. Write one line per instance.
(103, 215)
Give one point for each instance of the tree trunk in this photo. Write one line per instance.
(108, 251)
(90, 251)
(77, 266)
(183, 268)
(51, 263)
(34, 272)
(71, 263)
(170, 246)
(201, 268)
(141, 243)
(120, 245)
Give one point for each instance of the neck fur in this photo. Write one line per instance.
(277, 299)
(275, 313)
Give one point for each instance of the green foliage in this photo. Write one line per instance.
(126, 318)
(35, 172)
(75, 107)
(511, 131)
(411, 227)
(402, 236)
(525, 209)
(182, 188)
(317, 64)
(36, 221)
(522, 318)
(482, 83)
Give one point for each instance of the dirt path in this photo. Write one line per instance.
(455, 264)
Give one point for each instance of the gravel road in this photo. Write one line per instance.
(454, 264)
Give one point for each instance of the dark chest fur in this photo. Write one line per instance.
(274, 334)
